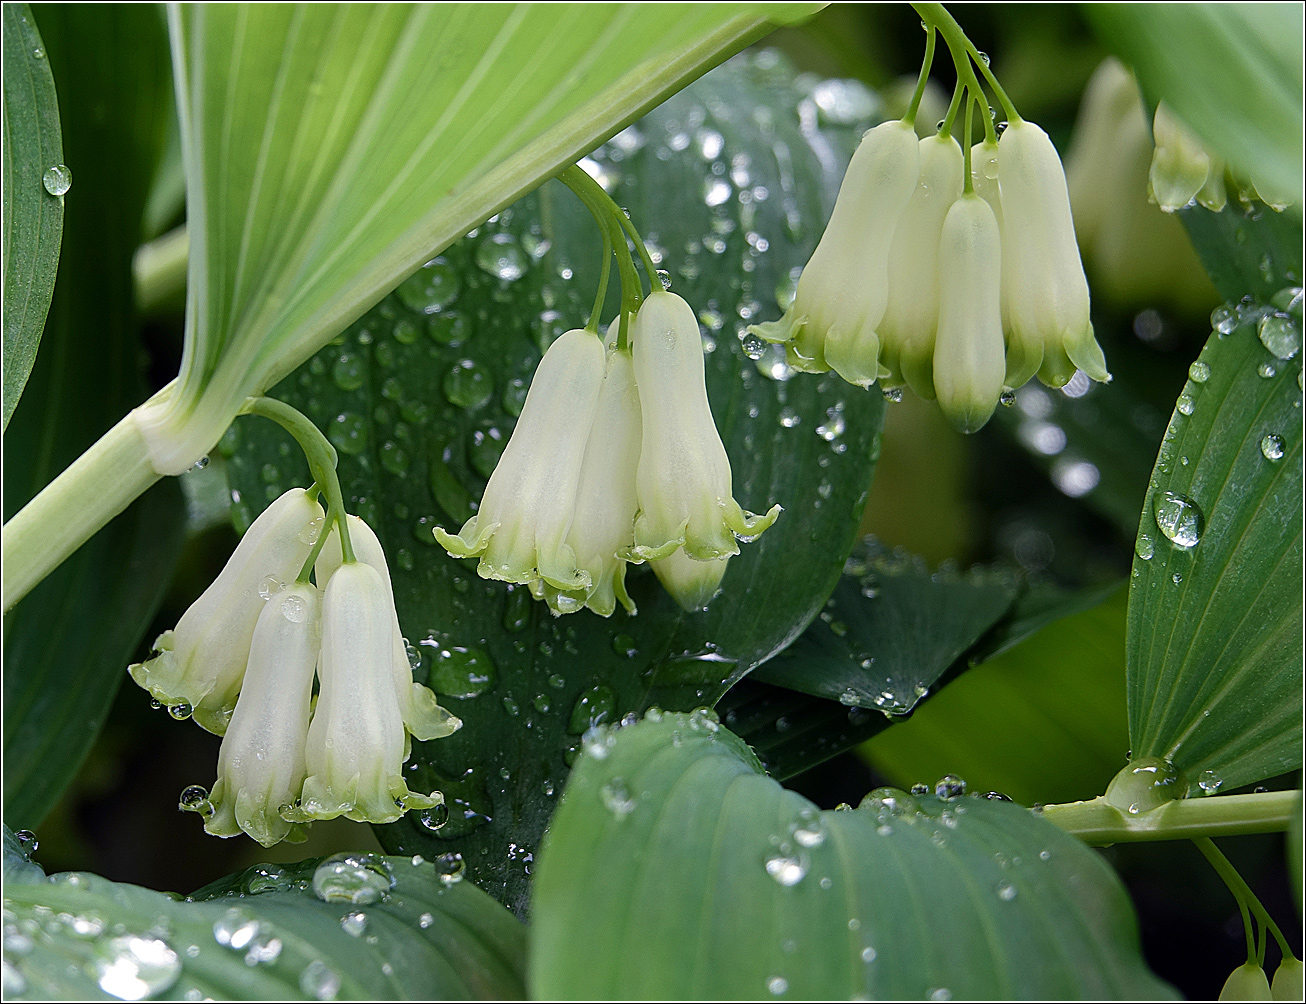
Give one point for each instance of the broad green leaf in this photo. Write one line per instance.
(33, 207)
(420, 397)
(686, 873)
(1215, 616)
(67, 644)
(332, 149)
(1247, 253)
(410, 934)
(890, 630)
(1042, 722)
(1232, 72)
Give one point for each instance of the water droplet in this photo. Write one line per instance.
(1006, 892)
(235, 929)
(133, 968)
(777, 985)
(352, 878)
(1199, 372)
(617, 798)
(425, 920)
(1224, 319)
(809, 830)
(950, 786)
(502, 257)
(1278, 333)
(624, 644)
(1210, 782)
(394, 458)
(58, 179)
(450, 868)
(920, 789)
(786, 869)
(194, 798)
(790, 418)
(468, 384)
(1179, 518)
(595, 706)
(431, 288)
(893, 394)
(27, 841)
(319, 981)
(434, 817)
(942, 993)
(1272, 447)
(1144, 547)
(264, 948)
(514, 396)
(462, 672)
(348, 433)
(1177, 578)
(1007, 398)
(1144, 784)
(200, 464)
(1266, 370)
(1185, 404)
(354, 924)
(488, 443)
(349, 371)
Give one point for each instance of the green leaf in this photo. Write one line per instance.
(1254, 253)
(1042, 722)
(890, 630)
(66, 646)
(1232, 72)
(687, 873)
(424, 938)
(33, 215)
(331, 150)
(420, 397)
(1215, 618)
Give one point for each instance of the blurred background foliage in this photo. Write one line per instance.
(1017, 493)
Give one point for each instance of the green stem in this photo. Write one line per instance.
(953, 107)
(967, 182)
(1237, 886)
(159, 270)
(606, 214)
(936, 15)
(1098, 823)
(321, 456)
(604, 273)
(910, 117)
(68, 511)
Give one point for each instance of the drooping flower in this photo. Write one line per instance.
(684, 481)
(603, 523)
(842, 294)
(261, 762)
(691, 583)
(520, 530)
(357, 743)
(1182, 170)
(911, 316)
(421, 712)
(968, 353)
(200, 664)
(1047, 297)
(1246, 983)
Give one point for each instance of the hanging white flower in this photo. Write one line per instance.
(201, 662)
(968, 352)
(520, 530)
(1047, 296)
(834, 319)
(912, 314)
(356, 742)
(423, 717)
(684, 480)
(261, 762)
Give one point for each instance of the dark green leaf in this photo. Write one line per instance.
(33, 213)
(1042, 722)
(68, 643)
(1247, 253)
(890, 630)
(1232, 72)
(687, 873)
(419, 398)
(273, 938)
(1215, 615)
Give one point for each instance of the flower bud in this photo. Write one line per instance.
(1246, 983)
(521, 527)
(201, 662)
(261, 762)
(423, 717)
(356, 742)
(1181, 166)
(968, 353)
(1047, 298)
(683, 481)
(843, 291)
(1287, 985)
(912, 315)
(691, 583)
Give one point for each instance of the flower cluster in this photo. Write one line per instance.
(242, 661)
(955, 290)
(615, 459)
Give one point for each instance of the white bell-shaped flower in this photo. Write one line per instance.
(842, 293)
(356, 742)
(201, 662)
(603, 524)
(1182, 170)
(968, 352)
(684, 482)
(912, 314)
(423, 717)
(1047, 295)
(984, 178)
(691, 583)
(261, 762)
(520, 530)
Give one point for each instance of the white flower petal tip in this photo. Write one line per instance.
(691, 583)
(520, 529)
(845, 288)
(201, 662)
(261, 762)
(1181, 166)
(423, 717)
(357, 742)
(1046, 294)
(968, 352)
(683, 482)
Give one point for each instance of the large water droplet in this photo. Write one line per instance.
(431, 288)
(235, 929)
(348, 433)
(1199, 372)
(1144, 547)
(1224, 319)
(349, 371)
(1179, 518)
(319, 981)
(468, 384)
(950, 786)
(1272, 446)
(1278, 333)
(133, 968)
(354, 924)
(352, 878)
(58, 179)
(1210, 782)
(462, 672)
(786, 869)
(1144, 784)
(595, 706)
(502, 257)
(617, 798)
